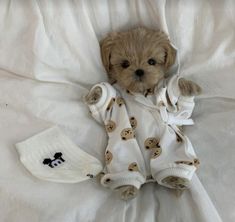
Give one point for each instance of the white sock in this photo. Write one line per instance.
(50, 155)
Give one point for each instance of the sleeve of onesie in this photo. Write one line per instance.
(179, 107)
(124, 161)
(177, 157)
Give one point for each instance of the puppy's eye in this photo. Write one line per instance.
(152, 62)
(125, 64)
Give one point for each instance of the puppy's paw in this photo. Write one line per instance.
(128, 192)
(189, 88)
(175, 182)
(178, 192)
(94, 96)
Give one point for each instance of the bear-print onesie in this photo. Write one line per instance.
(145, 142)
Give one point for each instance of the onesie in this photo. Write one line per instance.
(145, 141)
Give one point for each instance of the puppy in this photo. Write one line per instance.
(137, 60)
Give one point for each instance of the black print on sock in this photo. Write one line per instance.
(55, 162)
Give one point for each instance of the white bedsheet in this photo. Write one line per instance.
(49, 57)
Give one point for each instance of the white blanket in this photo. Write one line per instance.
(49, 57)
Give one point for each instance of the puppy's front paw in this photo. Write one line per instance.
(128, 192)
(189, 88)
(94, 96)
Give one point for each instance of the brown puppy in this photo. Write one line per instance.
(137, 60)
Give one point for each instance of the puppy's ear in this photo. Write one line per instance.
(106, 47)
(170, 55)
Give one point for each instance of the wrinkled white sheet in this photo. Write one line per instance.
(49, 57)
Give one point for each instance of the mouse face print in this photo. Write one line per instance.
(58, 160)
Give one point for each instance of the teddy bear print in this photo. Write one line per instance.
(127, 134)
(176, 182)
(110, 105)
(133, 167)
(133, 122)
(151, 142)
(120, 101)
(156, 152)
(110, 126)
(108, 157)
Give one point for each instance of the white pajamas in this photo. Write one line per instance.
(144, 136)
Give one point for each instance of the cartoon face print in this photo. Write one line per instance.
(156, 152)
(176, 182)
(120, 101)
(133, 122)
(186, 162)
(54, 162)
(110, 105)
(110, 126)
(151, 142)
(133, 167)
(127, 134)
(108, 157)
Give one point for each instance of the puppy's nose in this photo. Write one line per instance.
(139, 72)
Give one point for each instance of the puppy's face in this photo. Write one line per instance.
(137, 59)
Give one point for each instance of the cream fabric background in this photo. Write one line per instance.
(49, 57)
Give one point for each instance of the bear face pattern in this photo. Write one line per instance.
(151, 143)
(156, 152)
(108, 157)
(127, 134)
(110, 126)
(120, 101)
(110, 105)
(176, 182)
(133, 167)
(133, 122)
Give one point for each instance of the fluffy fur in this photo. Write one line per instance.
(137, 46)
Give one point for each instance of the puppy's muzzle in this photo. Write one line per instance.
(139, 72)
